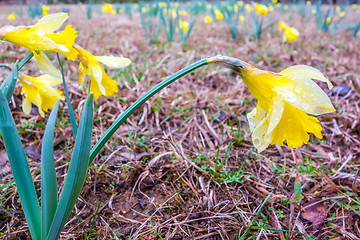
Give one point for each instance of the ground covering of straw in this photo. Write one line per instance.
(160, 176)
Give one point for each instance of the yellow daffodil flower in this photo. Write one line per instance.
(41, 36)
(173, 13)
(271, 8)
(162, 4)
(328, 20)
(308, 3)
(284, 101)
(341, 14)
(354, 6)
(11, 17)
(40, 91)
(89, 65)
(338, 9)
(286, 7)
(182, 13)
(45, 9)
(107, 8)
(274, 1)
(248, 7)
(184, 26)
(290, 33)
(240, 3)
(236, 8)
(208, 19)
(313, 11)
(218, 15)
(261, 9)
(241, 18)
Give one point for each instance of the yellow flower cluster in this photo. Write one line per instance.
(184, 26)
(43, 37)
(107, 8)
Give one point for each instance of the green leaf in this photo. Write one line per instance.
(8, 85)
(49, 189)
(20, 169)
(77, 171)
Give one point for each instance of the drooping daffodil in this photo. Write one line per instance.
(248, 7)
(207, 19)
(284, 101)
(41, 36)
(11, 17)
(101, 83)
(290, 33)
(40, 91)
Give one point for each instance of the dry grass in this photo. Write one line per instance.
(156, 176)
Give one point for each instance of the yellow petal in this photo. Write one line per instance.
(107, 87)
(51, 22)
(66, 38)
(303, 93)
(82, 74)
(113, 62)
(49, 80)
(46, 66)
(26, 106)
(32, 96)
(96, 75)
(307, 71)
(48, 95)
(294, 127)
(262, 124)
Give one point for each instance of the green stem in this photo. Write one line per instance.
(71, 111)
(111, 130)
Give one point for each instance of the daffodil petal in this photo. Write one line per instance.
(82, 74)
(51, 22)
(307, 71)
(294, 127)
(49, 80)
(262, 134)
(306, 95)
(26, 106)
(65, 41)
(96, 75)
(114, 62)
(46, 66)
(39, 92)
(254, 117)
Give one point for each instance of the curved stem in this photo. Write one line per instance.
(111, 130)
